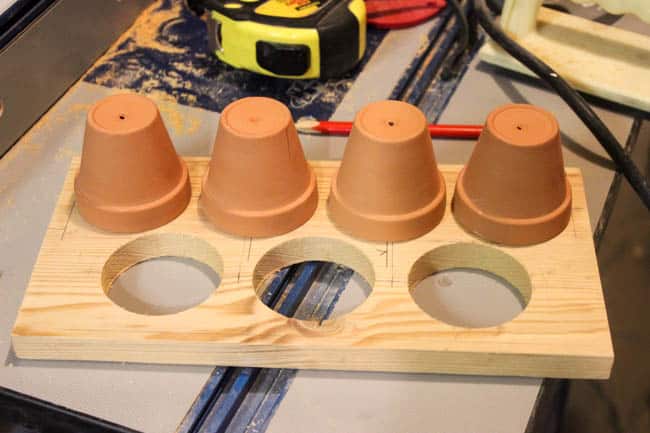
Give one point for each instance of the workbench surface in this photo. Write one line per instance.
(154, 398)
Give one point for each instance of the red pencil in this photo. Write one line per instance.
(310, 125)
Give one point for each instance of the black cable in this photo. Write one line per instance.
(196, 6)
(573, 99)
(495, 6)
(450, 67)
(472, 25)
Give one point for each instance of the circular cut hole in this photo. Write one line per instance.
(391, 123)
(314, 290)
(122, 117)
(162, 274)
(468, 297)
(164, 285)
(519, 128)
(470, 285)
(313, 279)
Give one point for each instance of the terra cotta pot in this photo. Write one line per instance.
(131, 178)
(388, 187)
(258, 183)
(514, 190)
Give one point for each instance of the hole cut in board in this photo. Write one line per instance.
(314, 291)
(162, 274)
(164, 285)
(469, 298)
(313, 279)
(470, 285)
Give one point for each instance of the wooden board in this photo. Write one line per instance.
(563, 332)
(595, 58)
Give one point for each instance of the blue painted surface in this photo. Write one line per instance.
(235, 399)
(297, 290)
(410, 74)
(272, 397)
(176, 61)
(204, 401)
(428, 72)
(439, 92)
(422, 84)
(239, 381)
(261, 400)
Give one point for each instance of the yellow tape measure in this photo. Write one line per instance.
(287, 38)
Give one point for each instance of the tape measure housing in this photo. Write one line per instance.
(288, 38)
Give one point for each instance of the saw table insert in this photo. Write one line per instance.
(562, 332)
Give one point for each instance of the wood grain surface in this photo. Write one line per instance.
(563, 331)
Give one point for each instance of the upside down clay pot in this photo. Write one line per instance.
(131, 178)
(258, 183)
(514, 190)
(388, 187)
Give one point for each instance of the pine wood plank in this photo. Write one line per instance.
(563, 332)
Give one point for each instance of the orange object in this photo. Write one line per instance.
(131, 178)
(259, 183)
(514, 190)
(388, 187)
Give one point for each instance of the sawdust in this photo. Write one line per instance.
(424, 45)
(144, 31)
(19, 150)
(9, 203)
(64, 153)
(11, 178)
(32, 144)
(175, 120)
(192, 126)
